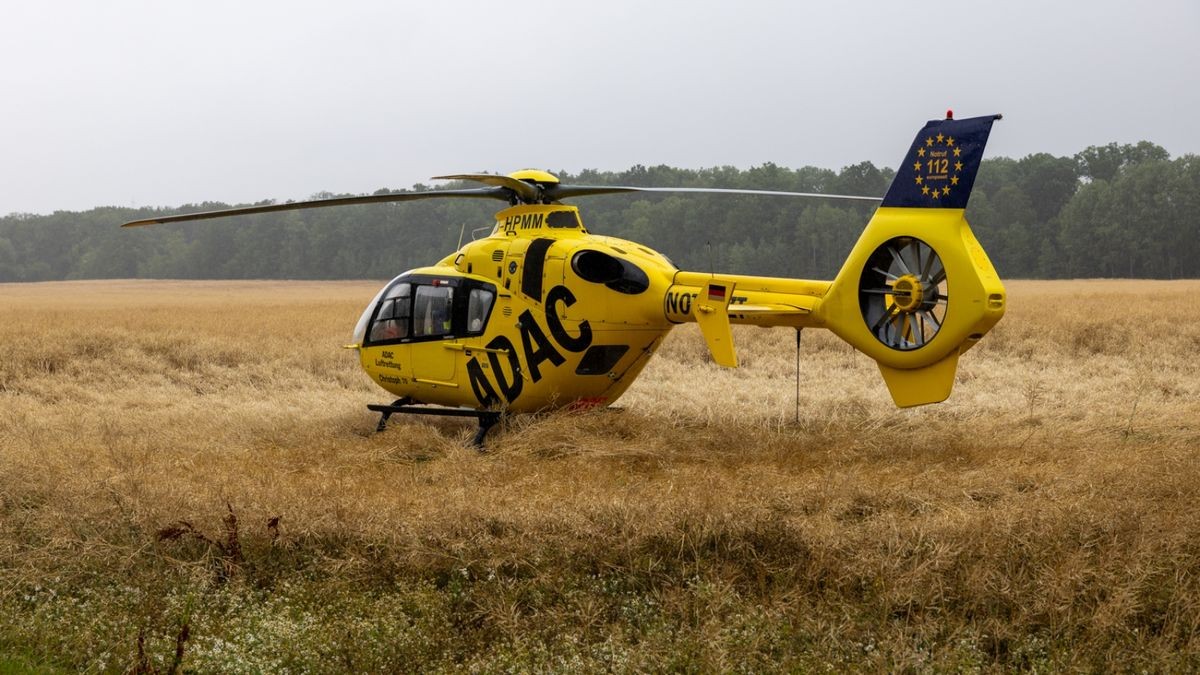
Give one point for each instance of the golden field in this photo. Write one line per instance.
(190, 480)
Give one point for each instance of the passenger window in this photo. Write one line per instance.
(477, 310)
(431, 311)
(392, 322)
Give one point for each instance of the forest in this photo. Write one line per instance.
(1118, 210)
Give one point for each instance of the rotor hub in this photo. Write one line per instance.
(908, 293)
(535, 176)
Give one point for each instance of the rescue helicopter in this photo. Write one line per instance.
(541, 313)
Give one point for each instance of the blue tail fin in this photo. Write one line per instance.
(939, 169)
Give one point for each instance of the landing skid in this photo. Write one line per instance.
(487, 419)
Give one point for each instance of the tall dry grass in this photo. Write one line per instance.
(189, 479)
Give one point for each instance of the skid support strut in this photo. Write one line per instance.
(487, 418)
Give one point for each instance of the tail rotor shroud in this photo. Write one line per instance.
(903, 293)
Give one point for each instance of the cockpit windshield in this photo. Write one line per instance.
(415, 308)
(392, 321)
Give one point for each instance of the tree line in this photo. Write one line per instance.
(1109, 211)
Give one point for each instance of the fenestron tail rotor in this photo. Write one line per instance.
(903, 293)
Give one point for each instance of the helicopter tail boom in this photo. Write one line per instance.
(716, 302)
(916, 291)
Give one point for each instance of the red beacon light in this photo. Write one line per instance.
(949, 114)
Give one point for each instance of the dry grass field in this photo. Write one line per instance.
(189, 480)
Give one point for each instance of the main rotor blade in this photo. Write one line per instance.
(556, 192)
(503, 188)
(488, 192)
(528, 193)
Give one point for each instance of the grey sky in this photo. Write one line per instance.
(136, 103)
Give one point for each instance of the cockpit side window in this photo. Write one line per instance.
(478, 308)
(433, 311)
(392, 321)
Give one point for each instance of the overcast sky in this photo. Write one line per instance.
(154, 103)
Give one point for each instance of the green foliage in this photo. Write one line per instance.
(1104, 162)
(1142, 223)
(1113, 210)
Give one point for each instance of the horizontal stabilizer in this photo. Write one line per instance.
(769, 310)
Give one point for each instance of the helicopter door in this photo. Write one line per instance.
(432, 325)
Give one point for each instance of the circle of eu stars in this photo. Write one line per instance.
(937, 165)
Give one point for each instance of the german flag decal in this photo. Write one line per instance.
(716, 293)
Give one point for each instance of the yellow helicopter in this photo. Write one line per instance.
(542, 314)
